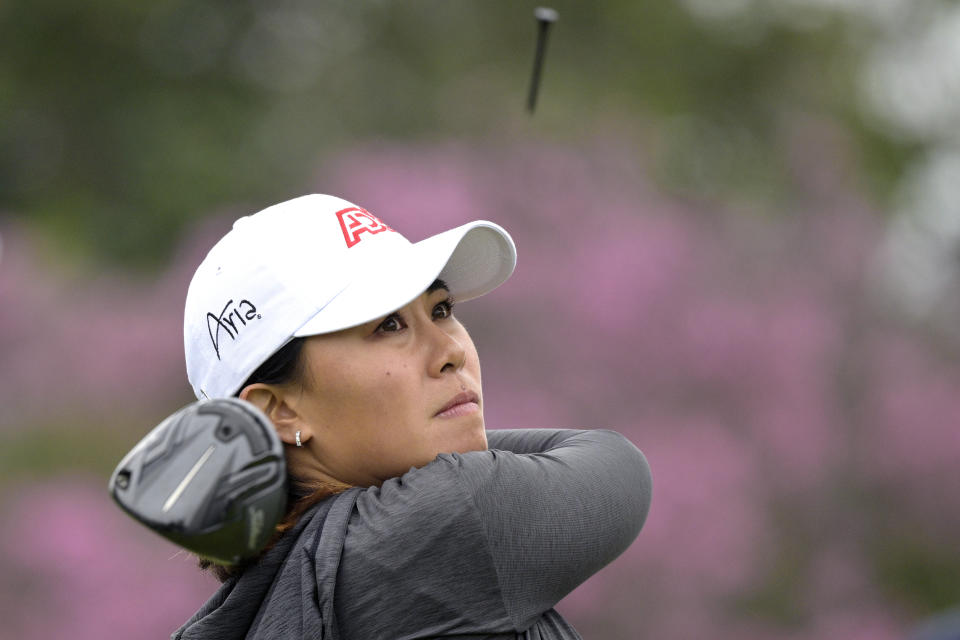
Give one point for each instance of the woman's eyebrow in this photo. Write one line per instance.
(438, 284)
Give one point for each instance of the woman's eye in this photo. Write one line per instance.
(391, 324)
(443, 310)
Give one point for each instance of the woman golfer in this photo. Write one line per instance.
(409, 519)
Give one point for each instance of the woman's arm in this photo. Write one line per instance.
(526, 440)
(487, 541)
(558, 514)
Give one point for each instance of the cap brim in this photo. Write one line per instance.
(473, 259)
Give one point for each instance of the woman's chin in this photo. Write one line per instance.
(474, 438)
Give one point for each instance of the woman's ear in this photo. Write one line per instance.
(272, 401)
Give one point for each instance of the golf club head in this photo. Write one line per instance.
(211, 477)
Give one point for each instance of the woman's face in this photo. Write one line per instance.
(392, 394)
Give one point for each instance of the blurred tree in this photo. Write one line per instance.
(120, 122)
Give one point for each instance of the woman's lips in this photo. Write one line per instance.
(461, 404)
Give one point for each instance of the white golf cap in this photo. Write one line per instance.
(318, 264)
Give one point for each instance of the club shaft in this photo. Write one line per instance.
(543, 31)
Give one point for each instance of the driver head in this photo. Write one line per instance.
(211, 478)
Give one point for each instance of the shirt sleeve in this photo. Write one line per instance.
(488, 541)
(556, 507)
(526, 440)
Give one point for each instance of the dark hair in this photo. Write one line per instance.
(283, 367)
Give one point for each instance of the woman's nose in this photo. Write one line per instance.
(448, 355)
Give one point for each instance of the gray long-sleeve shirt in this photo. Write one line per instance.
(474, 545)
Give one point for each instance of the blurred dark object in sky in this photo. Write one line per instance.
(545, 17)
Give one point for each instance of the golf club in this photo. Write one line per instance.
(211, 478)
(545, 17)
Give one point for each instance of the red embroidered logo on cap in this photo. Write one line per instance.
(354, 221)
